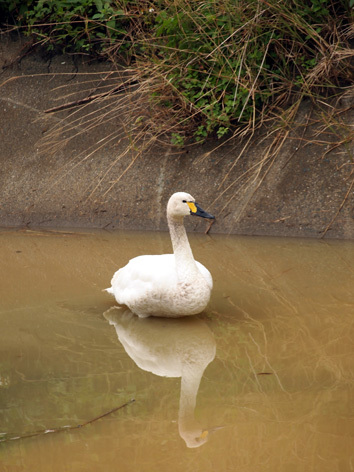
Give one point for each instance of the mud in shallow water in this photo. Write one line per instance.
(262, 381)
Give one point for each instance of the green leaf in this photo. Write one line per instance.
(111, 24)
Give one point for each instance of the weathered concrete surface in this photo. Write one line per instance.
(300, 192)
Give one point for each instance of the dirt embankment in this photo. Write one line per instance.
(301, 188)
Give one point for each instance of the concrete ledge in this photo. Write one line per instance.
(301, 192)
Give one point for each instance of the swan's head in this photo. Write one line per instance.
(182, 204)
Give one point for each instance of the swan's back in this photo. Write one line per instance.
(146, 272)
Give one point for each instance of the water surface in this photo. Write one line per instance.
(261, 381)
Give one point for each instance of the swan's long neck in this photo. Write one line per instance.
(185, 263)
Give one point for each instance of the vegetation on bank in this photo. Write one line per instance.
(212, 68)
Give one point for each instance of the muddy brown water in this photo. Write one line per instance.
(262, 381)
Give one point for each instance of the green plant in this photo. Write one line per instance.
(91, 26)
(177, 139)
(225, 63)
(208, 68)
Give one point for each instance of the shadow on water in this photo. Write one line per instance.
(170, 348)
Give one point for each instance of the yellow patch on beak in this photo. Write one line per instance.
(192, 207)
(204, 434)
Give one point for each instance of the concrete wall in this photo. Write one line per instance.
(302, 191)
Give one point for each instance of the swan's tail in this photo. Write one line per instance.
(109, 290)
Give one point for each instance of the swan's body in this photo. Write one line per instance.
(170, 285)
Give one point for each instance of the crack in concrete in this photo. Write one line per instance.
(159, 190)
(20, 104)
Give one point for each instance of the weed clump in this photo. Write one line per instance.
(211, 68)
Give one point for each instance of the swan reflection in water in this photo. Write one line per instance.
(181, 347)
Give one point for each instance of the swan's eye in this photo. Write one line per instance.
(184, 201)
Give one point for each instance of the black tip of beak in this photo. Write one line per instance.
(203, 214)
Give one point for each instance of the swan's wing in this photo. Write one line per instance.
(143, 274)
(206, 274)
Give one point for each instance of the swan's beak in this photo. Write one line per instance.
(198, 211)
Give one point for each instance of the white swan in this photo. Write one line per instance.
(170, 285)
